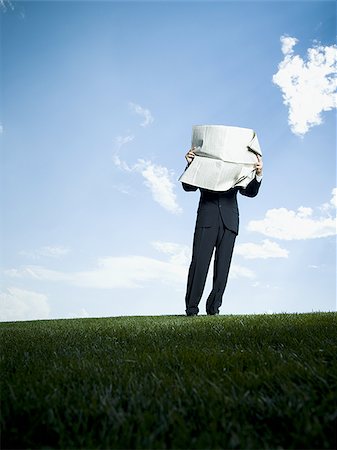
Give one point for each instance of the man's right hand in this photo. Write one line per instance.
(190, 155)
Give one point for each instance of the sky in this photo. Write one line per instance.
(98, 100)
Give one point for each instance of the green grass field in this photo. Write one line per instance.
(170, 382)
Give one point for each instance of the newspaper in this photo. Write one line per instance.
(225, 156)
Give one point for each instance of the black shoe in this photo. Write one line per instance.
(191, 314)
(213, 314)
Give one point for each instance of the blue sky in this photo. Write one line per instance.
(98, 101)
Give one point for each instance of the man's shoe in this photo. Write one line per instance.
(191, 314)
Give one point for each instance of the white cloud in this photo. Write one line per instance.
(157, 178)
(145, 113)
(122, 140)
(329, 207)
(160, 182)
(182, 254)
(38, 273)
(332, 204)
(267, 249)
(287, 44)
(333, 200)
(308, 87)
(179, 254)
(123, 188)
(20, 304)
(286, 224)
(237, 271)
(263, 286)
(132, 271)
(47, 251)
(6, 4)
(79, 314)
(111, 272)
(120, 163)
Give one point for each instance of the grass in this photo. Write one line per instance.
(170, 382)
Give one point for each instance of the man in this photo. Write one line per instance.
(217, 225)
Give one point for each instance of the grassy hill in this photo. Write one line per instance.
(170, 382)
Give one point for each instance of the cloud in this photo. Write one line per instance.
(237, 271)
(182, 254)
(120, 141)
(6, 4)
(38, 273)
(332, 204)
(157, 178)
(333, 200)
(81, 313)
(20, 304)
(261, 286)
(286, 224)
(308, 87)
(47, 251)
(267, 249)
(123, 188)
(179, 254)
(287, 44)
(160, 182)
(145, 113)
(131, 271)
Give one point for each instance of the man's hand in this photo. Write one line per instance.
(259, 165)
(190, 155)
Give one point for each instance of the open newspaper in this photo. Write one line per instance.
(225, 157)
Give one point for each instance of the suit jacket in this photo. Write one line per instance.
(226, 202)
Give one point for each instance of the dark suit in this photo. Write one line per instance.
(217, 225)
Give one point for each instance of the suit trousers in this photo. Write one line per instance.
(204, 241)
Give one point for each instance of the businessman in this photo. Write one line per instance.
(217, 225)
